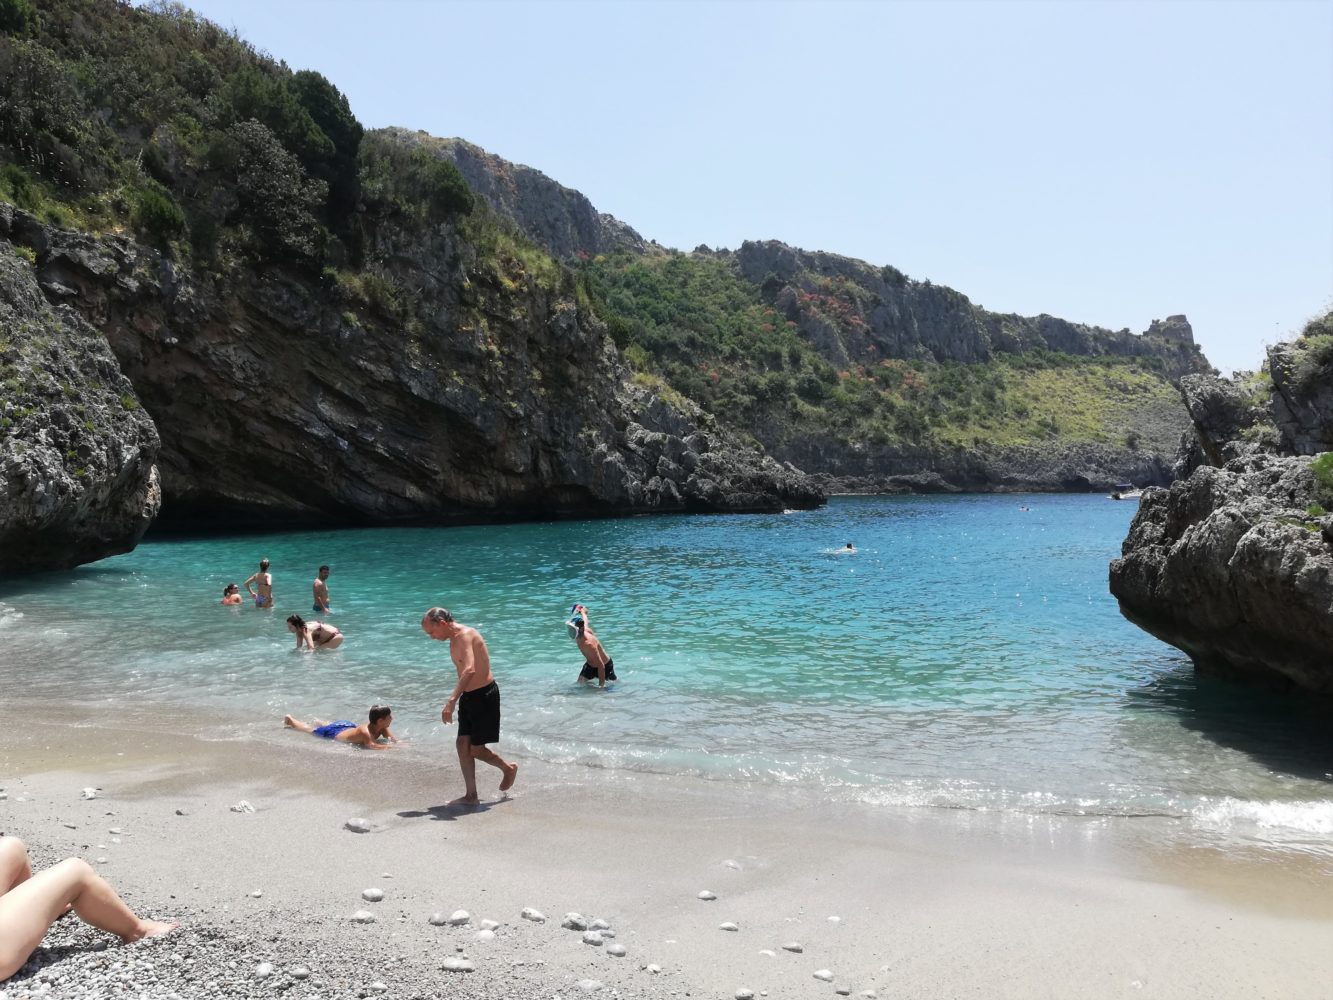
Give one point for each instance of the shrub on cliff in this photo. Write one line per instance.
(157, 214)
(413, 180)
(275, 199)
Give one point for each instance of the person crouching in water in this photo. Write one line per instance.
(595, 661)
(314, 635)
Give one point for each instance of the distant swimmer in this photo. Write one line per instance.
(596, 663)
(263, 580)
(314, 635)
(368, 734)
(321, 605)
(477, 698)
(1022, 507)
(849, 547)
(231, 594)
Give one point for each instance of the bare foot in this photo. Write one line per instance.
(289, 722)
(149, 928)
(511, 772)
(466, 800)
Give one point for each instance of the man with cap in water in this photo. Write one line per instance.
(596, 663)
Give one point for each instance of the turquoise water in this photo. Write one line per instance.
(967, 656)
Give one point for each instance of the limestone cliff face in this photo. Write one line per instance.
(479, 393)
(1233, 564)
(559, 219)
(78, 479)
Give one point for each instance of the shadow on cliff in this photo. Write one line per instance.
(1289, 734)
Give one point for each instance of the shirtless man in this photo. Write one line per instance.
(595, 661)
(321, 605)
(368, 734)
(477, 698)
(264, 581)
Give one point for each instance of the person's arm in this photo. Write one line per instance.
(303, 638)
(388, 735)
(249, 580)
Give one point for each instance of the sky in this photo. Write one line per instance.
(1108, 163)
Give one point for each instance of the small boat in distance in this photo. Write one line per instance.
(1125, 491)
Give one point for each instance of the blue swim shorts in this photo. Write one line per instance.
(333, 729)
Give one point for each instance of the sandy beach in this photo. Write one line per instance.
(920, 904)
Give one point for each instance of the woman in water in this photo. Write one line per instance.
(30, 903)
(231, 594)
(314, 635)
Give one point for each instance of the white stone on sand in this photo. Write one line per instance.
(257, 894)
(69, 826)
(459, 917)
(438, 919)
(263, 970)
(363, 917)
(598, 925)
(574, 922)
(300, 972)
(618, 950)
(869, 994)
(90, 793)
(489, 925)
(727, 926)
(593, 938)
(744, 994)
(731, 864)
(769, 952)
(102, 861)
(824, 975)
(608, 933)
(378, 987)
(357, 824)
(457, 963)
(835, 920)
(842, 991)
(793, 946)
(708, 895)
(243, 807)
(116, 830)
(485, 935)
(590, 985)
(654, 968)
(372, 895)
(536, 916)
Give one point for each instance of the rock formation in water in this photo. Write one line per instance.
(77, 450)
(1233, 563)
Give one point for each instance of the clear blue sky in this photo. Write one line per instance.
(1109, 163)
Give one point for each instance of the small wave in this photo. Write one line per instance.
(9, 615)
(1268, 818)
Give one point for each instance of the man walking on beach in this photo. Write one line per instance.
(477, 698)
(321, 605)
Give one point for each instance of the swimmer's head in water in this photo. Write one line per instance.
(295, 623)
(378, 712)
(230, 588)
(263, 565)
(439, 615)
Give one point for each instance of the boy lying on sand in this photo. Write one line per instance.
(368, 734)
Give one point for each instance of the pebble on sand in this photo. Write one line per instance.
(372, 895)
(90, 793)
(438, 919)
(300, 972)
(842, 991)
(835, 920)
(598, 925)
(869, 994)
(536, 916)
(182, 812)
(707, 895)
(457, 963)
(728, 926)
(69, 826)
(618, 950)
(574, 922)
(731, 864)
(744, 994)
(115, 830)
(590, 985)
(102, 861)
(769, 952)
(824, 975)
(263, 970)
(654, 968)
(593, 938)
(485, 935)
(358, 824)
(243, 807)
(460, 917)
(793, 946)
(257, 894)
(363, 917)
(488, 925)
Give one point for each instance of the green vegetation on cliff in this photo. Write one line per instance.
(692, 323)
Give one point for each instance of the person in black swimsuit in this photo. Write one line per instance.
(314, 635)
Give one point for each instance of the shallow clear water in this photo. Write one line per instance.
(968, 655)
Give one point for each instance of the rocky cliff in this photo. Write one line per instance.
(1233, 563)
(78, 479)
(486, 393)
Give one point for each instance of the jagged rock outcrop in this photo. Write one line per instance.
(78, 479)
(1234, 564)
(558, 219)
(1229, 567)
(483, 394)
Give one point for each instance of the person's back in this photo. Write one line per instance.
(263, 581)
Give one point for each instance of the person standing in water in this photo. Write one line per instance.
(596, 662)
(231, 594)
(477, 698)
(263, 580)
(321, 605)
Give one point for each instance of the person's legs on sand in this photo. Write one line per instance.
(14, 866)
(468, 766)
(27, 911)
(297, 724)
(495, 760)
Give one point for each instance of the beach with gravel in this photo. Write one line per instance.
(302, 869)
